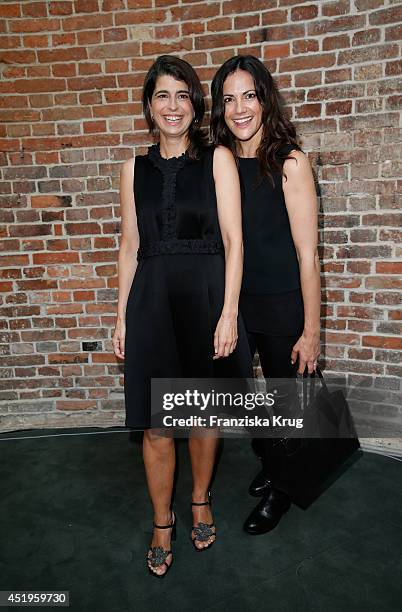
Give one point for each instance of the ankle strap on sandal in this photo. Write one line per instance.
(206, 503)
(172, 524)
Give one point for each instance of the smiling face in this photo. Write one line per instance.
(171, 106)
(243, 111)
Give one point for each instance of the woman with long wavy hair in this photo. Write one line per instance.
(280, 296)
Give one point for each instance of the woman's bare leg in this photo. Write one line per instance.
(159, 461)
(202, 453)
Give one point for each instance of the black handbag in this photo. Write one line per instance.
(303, 468)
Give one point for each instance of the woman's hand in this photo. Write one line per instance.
(307, 349)
(118, 338)
(225, 337)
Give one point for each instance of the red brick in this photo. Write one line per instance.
(272, 51)
(282, 32)
(389, 15)
(360, 353)
(389, 267)
(392, 68)
(341, 7)
(305, 46)
(365, 5)
(310, 61)
(339, 338)
(367, 54)
(385, 342)
(60, 8)
(62, 55)
(308, 110)
(269, 18)
(391, 298)
(89, 68)
(196, 11)
(135, 4)
(125, 49)
(340, 24)
(243, 22)
(220, 40)
(366, 37)
(34, 9)
(335, 42)
(385, 219)
(193, 27)
(308, 79)
(395, 315)
(10, 10)
(114, 34)
(238, 6)
(132, 17)
(86, 6)
(34, 25)
(361, 297)
(359, 312)
(95, 22)
(338, 76)
(393, 33)
(303, 13)
(89, 37)
(11, 42)
(219, 25)
(339, 108)
(17, 57)
(94, 126)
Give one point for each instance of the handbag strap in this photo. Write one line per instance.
(322, 379)
(311, 378)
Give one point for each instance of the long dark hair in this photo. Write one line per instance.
(181, 71)
(277, 128)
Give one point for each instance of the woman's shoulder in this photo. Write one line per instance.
(127, 169)
(128, 164)
(220, 153)
(286, 147)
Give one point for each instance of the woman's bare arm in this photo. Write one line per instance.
(227, 188)
(301, 204)
(127, 261)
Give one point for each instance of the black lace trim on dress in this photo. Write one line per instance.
(169, 168)
(176, 247)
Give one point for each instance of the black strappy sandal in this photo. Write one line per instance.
(158, 554)
(203, 531)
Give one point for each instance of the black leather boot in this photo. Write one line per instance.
(267, 514)
(261, 485)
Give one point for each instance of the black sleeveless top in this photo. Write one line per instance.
(177, 224)
(270, 260)
(271, 299)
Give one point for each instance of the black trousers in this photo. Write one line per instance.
(274, 353)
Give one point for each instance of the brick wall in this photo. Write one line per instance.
(71, 76)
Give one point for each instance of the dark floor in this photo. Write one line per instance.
(75, 515)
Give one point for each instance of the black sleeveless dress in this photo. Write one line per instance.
(177, 293)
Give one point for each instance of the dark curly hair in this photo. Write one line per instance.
(181, 71)
(277, 128)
